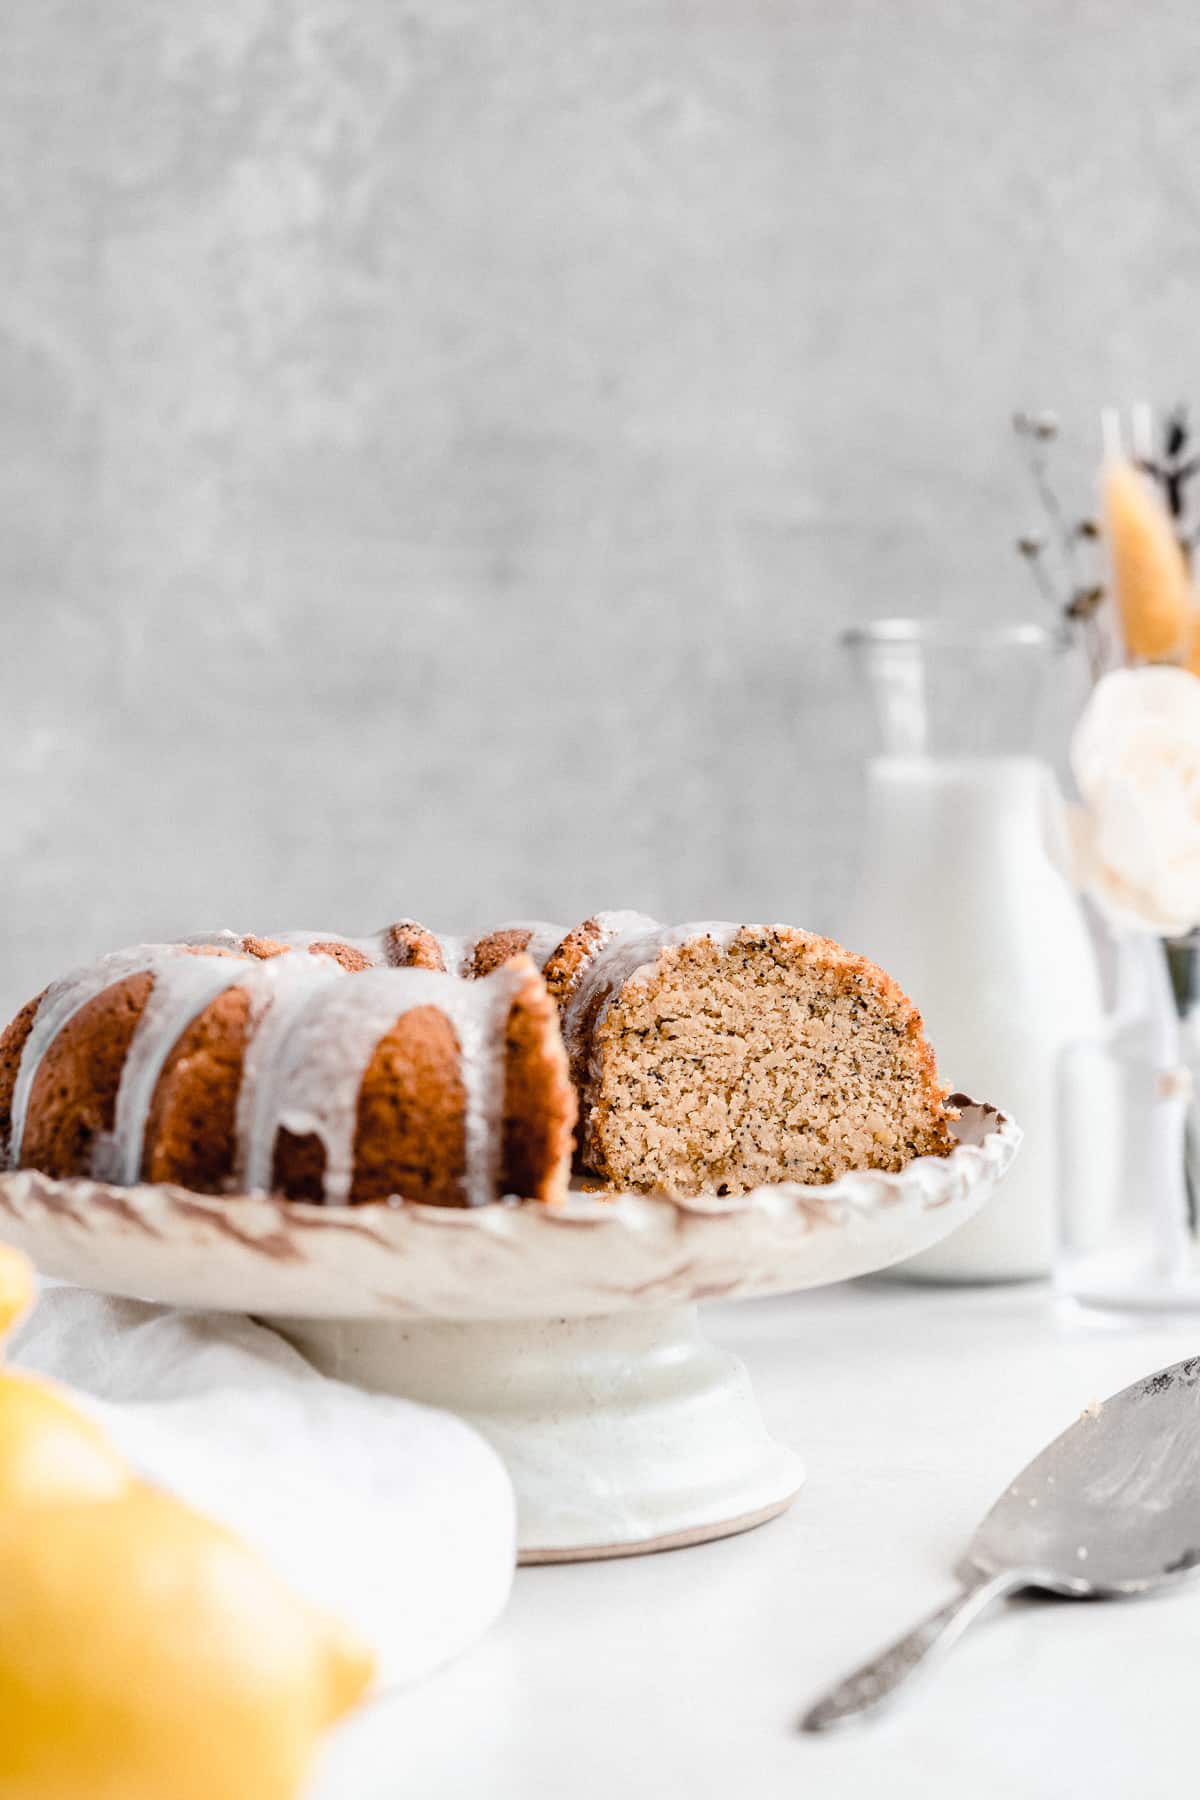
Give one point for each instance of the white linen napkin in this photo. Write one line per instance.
(397, 1517)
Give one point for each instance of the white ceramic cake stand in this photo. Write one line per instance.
(568, 1335)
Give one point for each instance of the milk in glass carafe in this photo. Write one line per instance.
(960, 899)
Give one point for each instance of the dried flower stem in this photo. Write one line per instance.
(1079, 611)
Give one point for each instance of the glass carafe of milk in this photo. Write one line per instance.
(961, 900)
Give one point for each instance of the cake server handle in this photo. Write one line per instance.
(871, 1688)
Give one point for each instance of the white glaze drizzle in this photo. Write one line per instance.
(544, 937)
(373, 947)
(61, 1001)
(614, 928)
(183, 987)
(479, 1014)
(458, 953)
(455, 951)
(310, 1072)
(280, 989)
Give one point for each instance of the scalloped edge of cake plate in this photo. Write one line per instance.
(568, 1336)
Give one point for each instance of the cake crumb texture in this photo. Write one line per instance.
(782, 1058)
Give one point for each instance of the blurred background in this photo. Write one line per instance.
(442, 441)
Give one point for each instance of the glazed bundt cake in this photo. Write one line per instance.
(244, 1065)
(705, 1057)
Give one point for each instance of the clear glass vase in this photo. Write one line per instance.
(939, 690)
(961, 898)
(1130, 1141)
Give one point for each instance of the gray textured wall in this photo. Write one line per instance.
(440, 440)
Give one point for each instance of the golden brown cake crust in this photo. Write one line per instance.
(411, 946)
(190, 1127)
(410, 1112)
(565, 965)
(352, 960)
(299, 1167)
(497, 947)
(264, 948)
(539, 1102)
(411, 1133)
(73, 1100)
(11, 1045)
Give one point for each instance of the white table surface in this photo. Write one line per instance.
(681, 1674)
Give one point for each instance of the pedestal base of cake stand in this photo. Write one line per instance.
(622, 1434)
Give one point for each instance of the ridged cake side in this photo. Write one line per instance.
(231, 1063)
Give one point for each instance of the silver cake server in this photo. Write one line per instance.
(1109, 1511)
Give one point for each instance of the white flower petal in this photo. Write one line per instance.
(1135, 755)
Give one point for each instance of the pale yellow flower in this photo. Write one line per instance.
(1151, 583)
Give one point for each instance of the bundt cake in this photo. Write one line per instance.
(705, 1057)
(243, 1065)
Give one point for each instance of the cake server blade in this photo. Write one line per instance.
(1109, 1511)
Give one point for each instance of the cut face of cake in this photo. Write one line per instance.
(700, 1058)
(718, 1057)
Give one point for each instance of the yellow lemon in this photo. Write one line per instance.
(1150, 576)
(147, 1654)
(49, 1451)
(16, 1287)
